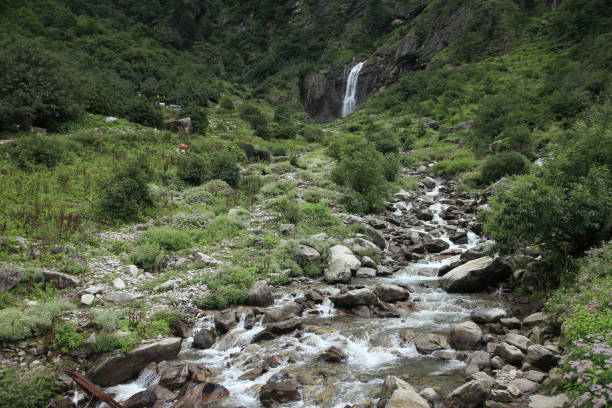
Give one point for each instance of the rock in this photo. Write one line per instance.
(60, 280)
(517, 340)
(500, 184)
(182, 126)
(288, 229)
(509, 353)
(344, 253)
(536, 319)
(497, 363)
(254, 152)
(469, 395)
(429, 182)
(9, 278)
(132, 270)
(466, 125)
(406, 398)
(225, 321)
(430, 395)
(174, 376)
(279, 392)
(429, 272)
(524, 385)
(355, 297)
(389, 292)
(199, 257)
(480, 360)
(365, 273)
(534, 375)
(391, 385)
(200, 395)
(361, 246)
(482, 376)
(163, 394)
(341, 263)
(383, 271)
(142, 399)
(284, 327)
(541, 357)
(483, 316)
(94, 290)
(501, 396)
(435, 246)
(119, 284)
(368, 262)
(120, 298)
(427, 343)
(284, 312)
(117, 367)
(87, 299)
(377, 238)
(544, 401)
(204, 339)
(198, 372)
(333, 355)
(475, 275)
(510, 322)
(465, 336)
(260, 294)
(305, 254)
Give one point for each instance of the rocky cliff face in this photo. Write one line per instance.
(407, 49)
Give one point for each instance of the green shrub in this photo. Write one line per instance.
(356, 203)
(319, 215)
(452, 167)
(385, 141)
(392, 165)
(37, 149)
(227, 105)
(104, 342)
(148, 256)
(105, 320)
(171, 316)
(223, 167)
(28, 390)
(141, 110)
(157, 327)
(227, 287)
(289, 209)
(194, 170)
(199, 118)
(313, 134)
(168, 239)
(503, 164)
(253, 116)
(221, 228)
(72, 267)
(66, 338)
(285, 130)
(18, 325)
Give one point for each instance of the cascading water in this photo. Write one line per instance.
(350, 102)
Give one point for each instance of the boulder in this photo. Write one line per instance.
(117, 367)
(479, 360)
(118, 298)
(60, 280)
(182, 126)
(142, 399)
(119, 284)
(356, 297)
(430, 395)
(284, 312)
(87, 299)
(518, 340)
(225, 321)
(200, 257)
(475, 275)
(541, 357)
(524, 385)
(365, 273)
(536, 319)
(334, 355)
(544, 401)
(344, 254)
(288, 229)
(279, 392)
(427, 343)
(469, 395)
(388, 292)
(174, 376)
(198, 372)
(200, 395)
(305, 254)
(402, 398)
(9, 278)
(391, 385)
(465, 336)
(368, 262)
(509, 353)
(162, 393)
(361, 246)
(260, 294)
(284, 327)
(483, 316)
(435, 246)
(204, 339)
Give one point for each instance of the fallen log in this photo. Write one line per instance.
(94, 390)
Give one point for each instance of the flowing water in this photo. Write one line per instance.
(373, 345)
(349, 103)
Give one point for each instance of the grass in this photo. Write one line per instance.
(20, 324)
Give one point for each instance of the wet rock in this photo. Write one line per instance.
(541, 357)
(204, 339)
(469, 395)
(483, 316)
(355, 297)
(225, 321)
(444, 355)
(391, 385)
(436, 246)
(200, 395)
(279, 392)
(427, 343)
(162, 393)
(429, 272)
(383, 271)
(424, 215)
(536, 319)
(252, 374)
(544, 401)
(174, 376)
(383, 309)
(260, 294)
(465, 336)
(119, 298)
(361, 246)
(60, 280)
(284, 312)
(305, 254)
(475, 275)
(288, 229)
(406, 398)
(388, 292)
(263, 336)
(459, 238)
(9, 278)
(518, 340)
(284, 327)
(142, 399)
(361, 311)
(428, 181)
(198, 372)
(334, 355)
(365, 273)
(430, 395)
(480, 360)
(482, 376)
(509, 353)
(117, 367)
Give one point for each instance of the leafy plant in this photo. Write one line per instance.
(66, 338)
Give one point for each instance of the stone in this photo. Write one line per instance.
(368, 262)
(305, 254)
(288, 229)
(406, 398)
(334, 355)
(119, 284)
(465, 336)
(118, 298)
(284, 312)
(9, 278)
(429, 394)
(524, 385)
(536, 319)
(199, 257)
(501, 396)
(482, 376)
(534, 375)
(182, 126)
(518, 340)
(509, 353)
(94, 290)
(341, 252)
(260, 294)
(435, 246)
(510, 322)
(544, 401)
(142, 399)
(479, 360)
(204, 338)
(200, 395)
(162, 393)
(60, 280)
(427, 343)
(198, 372)
(279, 392)
(469, 395)
(541, 357)
(361, 246)
(483, 316)
(225, 321)
(365, 273)
(392, 384)
(497, 363)
(174, 376)
(132, 270)
(284, 327)
(475, 275)
(355, 297)
(118, 367)
(87, 299)
(389, 292)
(383, 271)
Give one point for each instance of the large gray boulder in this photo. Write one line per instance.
(118, 367)
(465, 336)
(536, 319)
(402, 398)
(518, 340)
(9, 278)
(341, 263)
(392, 384)
(509, 353)
(60, 280)
(182, 126)
(281, 313)
(356, 297)
(305, 254)
(201, 395)
(118, 298)
(544, 401)
(469, 395)
(541, 357)
(483, 316)
(479, 360)
(260, 294)
(362, 246)
(475, 275)
(427, 343)
(388, 292)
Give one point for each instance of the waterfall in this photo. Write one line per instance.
(350, 103)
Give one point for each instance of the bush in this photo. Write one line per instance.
(105, 320)
(227, 287)
(194, 170)
(18, 325)
(148, 256)
(105, 342)
(168, 239)
(289, 209)
(285, 130)
(66, 338)
(223, 167)
(227, 105)
(37, 150)
(391, 166)
(126, 194)
(313, 134)
(452, 167)
(253, 116)
(503, 164)
(199, 117)
(385, 141)
(27, 390)
(73, 267)
(143, 111)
